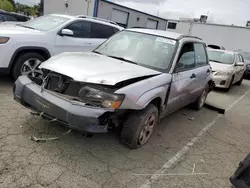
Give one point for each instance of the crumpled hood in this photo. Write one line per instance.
(220, 66)
(95, 68)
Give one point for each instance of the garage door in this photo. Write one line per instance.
(120, 17)
(152, 24)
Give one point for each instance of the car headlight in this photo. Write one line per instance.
(100, 98)
(3, 40)
(223, 73)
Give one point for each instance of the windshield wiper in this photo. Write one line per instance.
(215, 61)
(123, 59)
(25, 26)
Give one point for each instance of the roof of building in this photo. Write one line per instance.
(107, 1)
(167, 34)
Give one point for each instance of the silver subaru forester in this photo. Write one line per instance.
(129, 82)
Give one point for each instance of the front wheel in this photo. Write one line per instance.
(139, 127)
(27, 64)
(200, 102)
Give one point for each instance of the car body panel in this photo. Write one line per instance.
(94, 68)
(50, 40)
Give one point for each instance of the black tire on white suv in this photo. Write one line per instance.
(25, 57)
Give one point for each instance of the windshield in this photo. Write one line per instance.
(246, 55)
(45, 23)
(221, 57)
(146, 50)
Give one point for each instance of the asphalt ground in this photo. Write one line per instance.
(188, 149)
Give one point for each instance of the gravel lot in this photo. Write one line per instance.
(78, 161)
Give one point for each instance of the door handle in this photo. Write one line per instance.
(208, 71)
(88, 43)
(193, 76)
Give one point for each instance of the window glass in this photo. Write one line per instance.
(237, 58)
(172, 25)
(221, 57)
(45, 23)
(81, 29)
(115, 30)
(10, 18)
(2, 18)
(187, 58)
(101, 31)
(241, 58)
(145, 50)
(200, 54)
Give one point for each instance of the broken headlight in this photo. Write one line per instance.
(100, 98)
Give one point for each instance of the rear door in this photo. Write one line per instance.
(202, 70)
(183, 82)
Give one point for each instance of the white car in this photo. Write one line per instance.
(24, 46)
(228, 68)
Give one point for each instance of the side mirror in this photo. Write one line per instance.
(239, 64)
(66, 32)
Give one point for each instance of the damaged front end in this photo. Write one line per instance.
(82, 106)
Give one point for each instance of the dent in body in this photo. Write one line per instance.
(140, 94)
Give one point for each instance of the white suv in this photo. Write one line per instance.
(24, 46)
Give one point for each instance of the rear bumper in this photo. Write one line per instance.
(73, 114)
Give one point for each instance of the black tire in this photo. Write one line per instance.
(200, 102)
(20, 60)
(135, 124)
(240, 81)
(231, 83)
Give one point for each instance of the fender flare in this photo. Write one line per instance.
(26, 48)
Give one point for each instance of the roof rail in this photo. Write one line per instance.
(95, 18)
(188, 36)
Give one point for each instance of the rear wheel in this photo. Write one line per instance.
(139, 127)
(27, 64)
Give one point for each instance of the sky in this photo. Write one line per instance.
(235, 12)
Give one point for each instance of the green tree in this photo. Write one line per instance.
(6, 5)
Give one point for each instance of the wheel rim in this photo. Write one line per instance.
(147, 130)
(203, 98)
(30, 68)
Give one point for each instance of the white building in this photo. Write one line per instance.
(124, 16)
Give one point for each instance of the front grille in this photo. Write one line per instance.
(63, 85)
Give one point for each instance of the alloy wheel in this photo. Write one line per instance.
(30, 68)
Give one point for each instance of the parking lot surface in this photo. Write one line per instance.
(76, 160)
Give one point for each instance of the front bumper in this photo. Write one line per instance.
(222, 81)
(73, 114)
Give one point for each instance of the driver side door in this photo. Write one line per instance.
(183, 79)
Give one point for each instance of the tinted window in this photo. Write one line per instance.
(101, 31)
(241, 58)
(81, 29)
(10, 18)
(187, 58)
(115, 30)
(2, 18)
(172, 25)
(200, 54)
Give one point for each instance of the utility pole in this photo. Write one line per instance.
(88, 1)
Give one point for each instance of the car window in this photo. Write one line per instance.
(186, 59)
(2, 18)
(242, 59)
(223, 57)
(10, 18)
(81, 29)
(142, 49)
(101, 31)
(237, 58)
(200, 54)
(115, 30)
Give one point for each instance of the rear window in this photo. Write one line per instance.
(101, 31)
